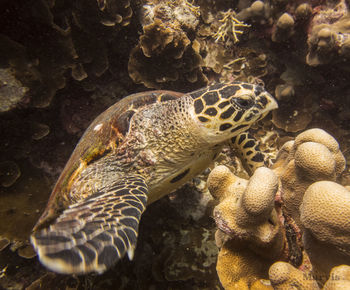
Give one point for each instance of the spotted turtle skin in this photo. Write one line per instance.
(138, 150)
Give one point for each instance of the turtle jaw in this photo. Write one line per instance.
(271, 103)
(267, 102)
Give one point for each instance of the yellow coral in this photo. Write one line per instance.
(339, 278)
(313, 156)
(325, 215)
(285, 276)
(249, 226)
(254, 231)
(230, 25)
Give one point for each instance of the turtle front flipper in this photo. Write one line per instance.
(248, 151)
(93, 234)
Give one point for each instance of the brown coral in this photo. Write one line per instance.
(284, 276)
(9, 173)
(328, 40)
(247, 212)
(284, 28)
(258, 11)
(294, 101)
(165, 55)
(12, 92)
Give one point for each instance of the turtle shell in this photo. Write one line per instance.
(103, 135)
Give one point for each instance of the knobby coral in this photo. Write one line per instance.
(261, 220)
(325, 215)
(246, 216)
(313, 156)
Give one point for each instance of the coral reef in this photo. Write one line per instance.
(261, 220)
(324, 213)
(230, 27)
(328, 40)
(63, 62)
(247, 218)
(9, 173)
(339, 278)
(295, 101)
(165, 55)
(245, 214)
(284, 28)
(313, 156)
(283, 276)
(12, 92)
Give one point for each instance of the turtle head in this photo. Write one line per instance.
(226, 110)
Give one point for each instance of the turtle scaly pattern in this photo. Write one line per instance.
(140, 149)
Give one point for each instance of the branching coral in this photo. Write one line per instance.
(230, 27)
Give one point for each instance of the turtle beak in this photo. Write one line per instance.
(268, 101)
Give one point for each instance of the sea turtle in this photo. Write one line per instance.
(140, 149)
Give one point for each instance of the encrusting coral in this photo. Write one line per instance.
(259, 221)
(12, 92)
(295, 100)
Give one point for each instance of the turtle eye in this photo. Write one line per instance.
(244, 103)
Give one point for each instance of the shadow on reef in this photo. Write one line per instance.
(64, 62)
